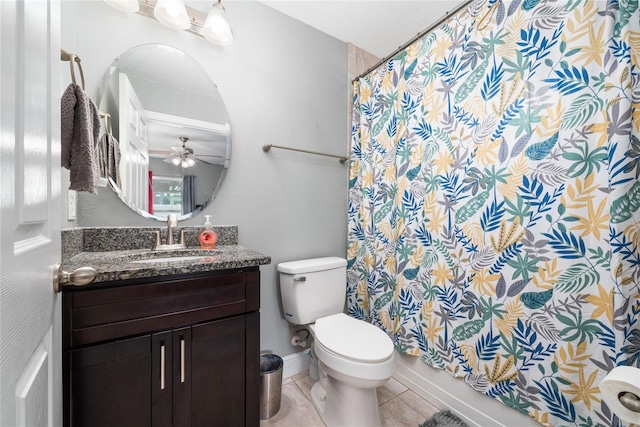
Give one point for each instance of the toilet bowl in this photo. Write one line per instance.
(354, 357)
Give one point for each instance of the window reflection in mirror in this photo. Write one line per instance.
(167, 195)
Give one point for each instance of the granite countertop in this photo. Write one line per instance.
(143, 263)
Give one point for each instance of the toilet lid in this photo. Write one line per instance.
(353, 339)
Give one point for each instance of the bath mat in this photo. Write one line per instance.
(444, 419)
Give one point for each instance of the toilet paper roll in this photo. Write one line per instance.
(618, 381)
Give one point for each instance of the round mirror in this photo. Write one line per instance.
(170, 127)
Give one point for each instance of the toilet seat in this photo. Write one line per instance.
(353, 339)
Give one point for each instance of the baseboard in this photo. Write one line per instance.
(445, 392)
(436, 395)
(295, 363)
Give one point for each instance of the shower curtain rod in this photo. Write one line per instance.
(267, 147)
(417, 37)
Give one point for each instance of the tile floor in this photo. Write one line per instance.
(399, 406)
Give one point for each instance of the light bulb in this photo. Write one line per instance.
(130, 6)
(175, 161)
(184, 164)
(173, 9)
(217, 23)
(172, 14)
(216, 28)
(190, 161)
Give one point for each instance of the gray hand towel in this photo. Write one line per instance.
(80, 122)
(110, 159)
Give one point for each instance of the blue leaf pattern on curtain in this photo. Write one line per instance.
(494, 216)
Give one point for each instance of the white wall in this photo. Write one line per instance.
(283, 83)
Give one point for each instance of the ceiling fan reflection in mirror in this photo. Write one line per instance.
(182, 156)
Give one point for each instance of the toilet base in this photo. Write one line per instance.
(341, 405)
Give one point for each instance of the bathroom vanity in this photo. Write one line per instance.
(163, 339)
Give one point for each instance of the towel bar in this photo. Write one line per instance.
(267, 147)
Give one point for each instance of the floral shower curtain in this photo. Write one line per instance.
(494, 200)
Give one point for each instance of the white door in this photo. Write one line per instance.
(134, 169)
(30, 362)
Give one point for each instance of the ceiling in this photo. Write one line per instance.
(377, 26)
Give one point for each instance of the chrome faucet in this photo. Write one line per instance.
(172, 221)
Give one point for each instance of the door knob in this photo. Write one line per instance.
(79, 277)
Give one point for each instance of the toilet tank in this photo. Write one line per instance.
(312, 288)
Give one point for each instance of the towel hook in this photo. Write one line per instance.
(107, 122)
(72, 58)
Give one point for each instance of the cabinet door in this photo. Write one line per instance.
(110, 384)
(218, 356)
(182, 377)
(162, 379)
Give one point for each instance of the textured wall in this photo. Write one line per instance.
(283, 83)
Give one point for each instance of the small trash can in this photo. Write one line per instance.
(270, 385)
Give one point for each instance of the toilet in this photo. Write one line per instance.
(354, 357)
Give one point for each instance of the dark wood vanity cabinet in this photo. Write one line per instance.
(183, 351)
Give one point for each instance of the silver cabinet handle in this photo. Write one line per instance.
(162, 366)
(181, 359)
(79, 277)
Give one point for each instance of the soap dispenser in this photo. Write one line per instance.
(207, 236)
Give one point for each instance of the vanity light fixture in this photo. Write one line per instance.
(216, 28)
(172, 13)
(129, 6)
